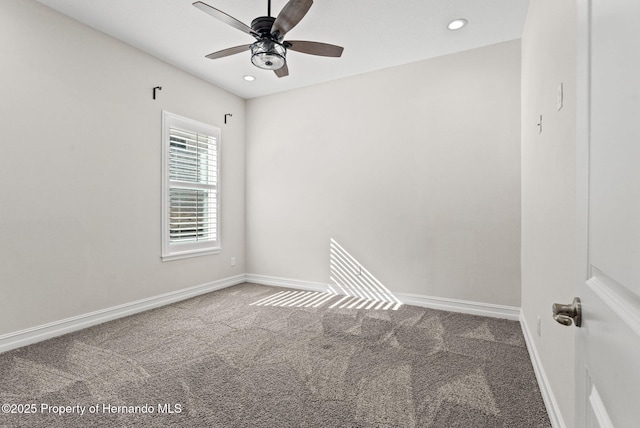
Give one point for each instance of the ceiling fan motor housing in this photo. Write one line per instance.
(262, 25)
(267, 53)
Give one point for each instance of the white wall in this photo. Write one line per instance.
(80, 170)
(414, 170)
(549, 189)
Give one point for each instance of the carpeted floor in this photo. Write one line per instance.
(219, 361)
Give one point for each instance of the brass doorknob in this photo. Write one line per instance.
(568, 314)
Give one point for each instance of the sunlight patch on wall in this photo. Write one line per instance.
(361, 290)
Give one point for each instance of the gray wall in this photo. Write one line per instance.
(414, 170)
(549, 189)
(80, 168)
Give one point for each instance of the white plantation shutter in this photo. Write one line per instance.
(191, 188)
(192, 215)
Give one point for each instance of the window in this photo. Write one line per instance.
(190, 221)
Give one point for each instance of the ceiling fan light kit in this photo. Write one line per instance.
(268, 55)
(269, 52)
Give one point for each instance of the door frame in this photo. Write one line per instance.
(583, 113)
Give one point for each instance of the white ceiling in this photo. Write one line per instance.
(376, 34)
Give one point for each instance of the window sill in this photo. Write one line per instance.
(189, 254)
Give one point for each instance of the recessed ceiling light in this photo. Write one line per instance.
(249, 78)
(457, 24)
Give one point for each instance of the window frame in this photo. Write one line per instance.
(176, 251)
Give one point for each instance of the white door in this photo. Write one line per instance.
(608, 342)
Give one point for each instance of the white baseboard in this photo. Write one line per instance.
(298, 284)
(543, 382)
(463, 306)
(58, 328)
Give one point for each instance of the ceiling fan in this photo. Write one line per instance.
(269, 51)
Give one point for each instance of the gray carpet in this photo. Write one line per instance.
(221, 360)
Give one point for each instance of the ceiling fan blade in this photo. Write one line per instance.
(229, 51)
(315, 48)
(289, 16)
(283, 71)
(227, 19)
